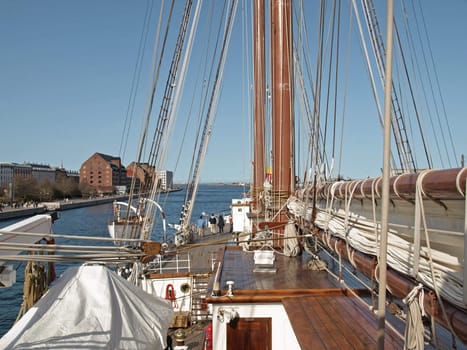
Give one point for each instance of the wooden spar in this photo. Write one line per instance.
(282, 65)
(383, 236)
(434, 184)
(259, 102)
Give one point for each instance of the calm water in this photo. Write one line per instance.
(91, 221)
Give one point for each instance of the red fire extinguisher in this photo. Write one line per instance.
(208, 337)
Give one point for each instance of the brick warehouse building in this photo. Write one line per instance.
(103, 173)
(145, 174)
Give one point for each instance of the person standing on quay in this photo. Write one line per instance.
(220, 223)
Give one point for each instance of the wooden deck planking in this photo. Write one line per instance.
(302, 325)
(291, 273)
(347, 328)
(332, 327)
(339, 322)
(321, 315)
(360, 314)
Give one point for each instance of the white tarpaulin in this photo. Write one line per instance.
(91, 307)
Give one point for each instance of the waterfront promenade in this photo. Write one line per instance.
(9, 213)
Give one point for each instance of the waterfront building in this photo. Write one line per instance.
(144, 174)
(39, 172)
(72, 174)
(165, 179)
(103, 173)
(6, 174)
(43, 173)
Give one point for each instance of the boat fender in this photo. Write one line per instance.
(208, 337)
(51, 275)
(170, 295)
(116, 211)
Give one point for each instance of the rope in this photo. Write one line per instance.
(34, 287)
(85, 238)
(431, 266)
(363, 237)
(97, 258)
(414, 330)
(291, 244)
(135, 273)
(316, 265)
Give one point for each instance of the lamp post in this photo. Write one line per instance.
(11, 190)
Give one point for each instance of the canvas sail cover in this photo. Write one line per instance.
(91, 307)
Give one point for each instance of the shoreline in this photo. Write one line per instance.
(66, 204)
(47, 207)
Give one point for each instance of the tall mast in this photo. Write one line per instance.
(386, 171)
(259, 102)
(282, 117)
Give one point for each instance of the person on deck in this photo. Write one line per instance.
(201, 225)
(220, 223)
(213, 224)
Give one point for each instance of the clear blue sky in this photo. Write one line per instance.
(66, 69)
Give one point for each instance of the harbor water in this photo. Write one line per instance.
(92, 221)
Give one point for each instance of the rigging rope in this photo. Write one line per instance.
(135, 80)
(210, 116)
(150, 101)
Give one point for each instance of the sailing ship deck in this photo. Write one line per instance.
(321, 312)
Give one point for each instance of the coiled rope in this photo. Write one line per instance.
(414, 330)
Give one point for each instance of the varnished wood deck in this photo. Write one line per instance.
(335, 323)
(321, 314)
(292, 274)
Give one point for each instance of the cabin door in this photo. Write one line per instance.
(250, 333)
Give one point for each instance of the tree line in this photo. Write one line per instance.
(27, 189)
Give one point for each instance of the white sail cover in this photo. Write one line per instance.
(91, 307)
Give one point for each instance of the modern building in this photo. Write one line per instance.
(7, 171)
(40, 172)
(165, 179)
(103, 172)
(14, 174)
(43, 173)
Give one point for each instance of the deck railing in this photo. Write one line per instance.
(172, 263)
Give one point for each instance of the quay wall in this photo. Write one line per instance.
(21, 212)
(42, 208)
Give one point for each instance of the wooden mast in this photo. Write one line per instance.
(259, 102)
(282, 126)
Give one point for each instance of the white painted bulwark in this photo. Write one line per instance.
(160, 286)
(36, 224)
(283, 336)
